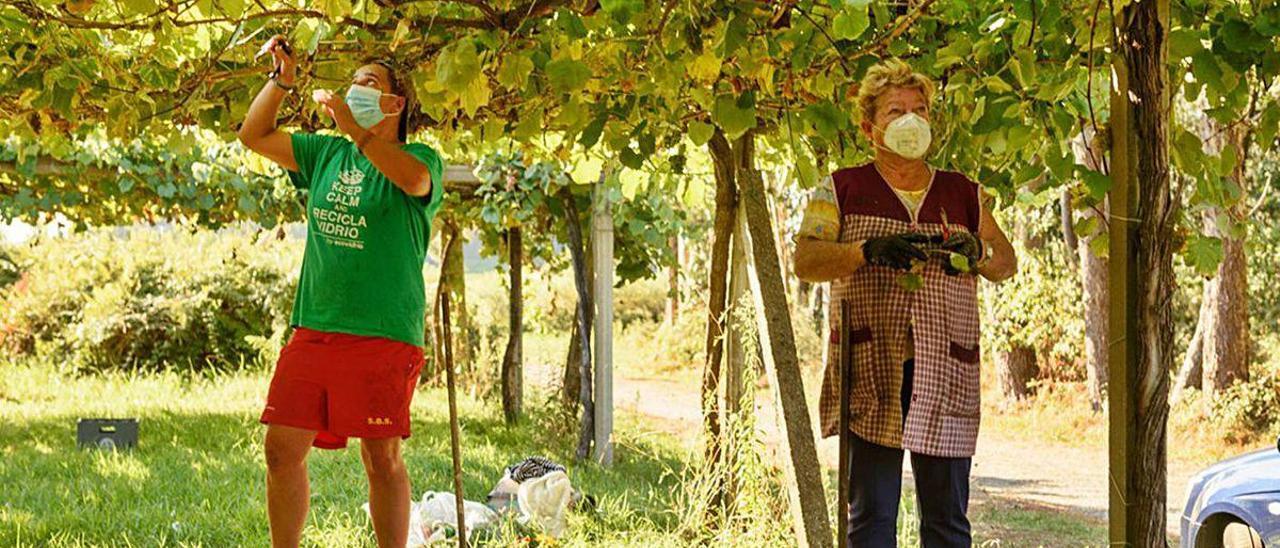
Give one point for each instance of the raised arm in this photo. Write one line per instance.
(259, 132)
(401, 168)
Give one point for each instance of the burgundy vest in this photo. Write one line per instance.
(942, 317)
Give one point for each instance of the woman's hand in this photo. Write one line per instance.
(285, 66)
(897, 251)
(336, 107)
(966, 244)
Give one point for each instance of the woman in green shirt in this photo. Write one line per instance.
(350, 368)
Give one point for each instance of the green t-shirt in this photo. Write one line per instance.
(366, 242)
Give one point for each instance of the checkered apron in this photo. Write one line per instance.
(943, 320)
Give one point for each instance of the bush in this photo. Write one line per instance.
(1042, 307)
(10, 273)
(152, 299)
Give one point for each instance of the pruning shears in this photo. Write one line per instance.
(275, 71)
(946, 227)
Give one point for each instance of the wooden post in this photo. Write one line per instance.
(1141, 270)
(802, 478)
(602, 239)
(513, 360)
(846, 387)
(734, 353)
(455, 433)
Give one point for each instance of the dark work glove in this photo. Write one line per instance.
(892, 251)
(966, 244)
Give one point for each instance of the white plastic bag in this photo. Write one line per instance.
(435, 518)
(545, 500)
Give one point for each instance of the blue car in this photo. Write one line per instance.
(1235, 503)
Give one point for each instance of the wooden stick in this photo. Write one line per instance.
(455, 433)
(846, 378)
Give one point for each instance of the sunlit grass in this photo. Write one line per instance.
(196, 477)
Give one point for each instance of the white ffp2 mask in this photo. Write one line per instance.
(908, 136)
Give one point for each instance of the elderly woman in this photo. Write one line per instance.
(905, 253)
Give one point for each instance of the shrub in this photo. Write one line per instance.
(10, 273)
(141, 299)
(1041, 307)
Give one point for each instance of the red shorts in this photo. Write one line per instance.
(343, 386)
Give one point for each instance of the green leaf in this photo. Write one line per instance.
(911, 281)
(997, 84)
(246, 204)
(1204, 253)
(1100, 246)
(1184, 43)
(631, 159)
(735, 34)
(1087, 226)
(591, 134)
(1238, 35)
(826, 119)
(530, 125)
(474, 96)
(1268, 127)
(850, 23)
(139, 7)
(732, 117)
(232, 8)
(1227, 161)
(335, 8)
(1097, 184)
(308, 33)
(1206, 68)
(705, 67)
(458, 66)
(567, 75)
(700, 132)
(572, 115)
(622, 10)
(515, 70)
(953, 53)
(806, 171)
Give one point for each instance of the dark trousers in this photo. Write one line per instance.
(875, 487)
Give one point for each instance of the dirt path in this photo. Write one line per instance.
(1053, 476)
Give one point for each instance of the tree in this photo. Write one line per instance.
(1141, 273)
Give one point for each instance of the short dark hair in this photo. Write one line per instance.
(402, 87)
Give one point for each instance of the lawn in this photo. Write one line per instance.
(196, 478)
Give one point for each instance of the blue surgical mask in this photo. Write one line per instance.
(366, 105)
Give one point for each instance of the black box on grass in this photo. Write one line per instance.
(107, 433)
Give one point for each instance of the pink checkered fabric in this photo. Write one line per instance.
(943, 316)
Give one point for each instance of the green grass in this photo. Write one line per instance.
(197, 477)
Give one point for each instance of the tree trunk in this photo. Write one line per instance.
(582, 328)
(1141, 275)
(512, 362)
(1093, 278)
(1226, 332)
(1016, 368)
(673, 282)
(1190, 374)
(1093, 275)
(1068, 225)
(722, 233)
(801, 473)
(572, 387)
(453, 277)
